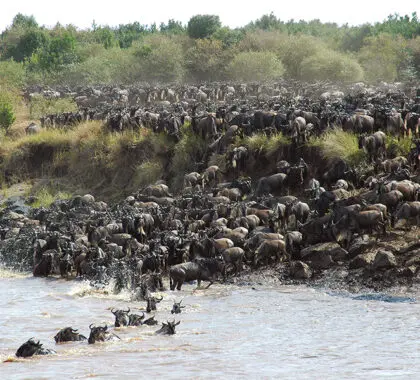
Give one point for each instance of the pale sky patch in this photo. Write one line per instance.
(81, 13)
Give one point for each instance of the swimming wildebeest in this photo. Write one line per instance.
(100, 334)
(167, 328)
(151, 303)
(177, 308)
(122, 318)
(68, 334)
(199, 269)
(30, 348)
(150, 321)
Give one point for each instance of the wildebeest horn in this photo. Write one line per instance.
(161, 298)
(176, 324)
(128, 310)
(90, 326)
(73, 330)
(113, 312)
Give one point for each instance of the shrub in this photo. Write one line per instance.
(7, 115)
(331, 65)
(12, 74)
(294, 49)
(207, 60)
(383, 56)
(161, 59)
(255, 66)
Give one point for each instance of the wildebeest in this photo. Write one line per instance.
(268, 249)
(234, 256)
(177, 308)
(100, 334)
(198, 269)
(407, 211)
(123, 318)
(373, 145)
(168, 328)
(151, 303)
(44, 266)
(273, 184)
(150, 321)
(30, 348)
(68, 334)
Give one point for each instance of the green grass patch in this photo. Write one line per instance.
(399, 147)
(46, 196)
(339, 144)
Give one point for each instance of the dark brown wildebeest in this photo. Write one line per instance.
(199, 269)
(68, 334)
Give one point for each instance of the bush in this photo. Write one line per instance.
(12, 74)
(331, 65)
(383, 56)
(7, 115)
(295, 49)
(161, 59)
(207, 60)
(255, 66)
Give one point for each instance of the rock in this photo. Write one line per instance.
(384, 260)
(88, 199)
(414, 259)
(360, 244)
(300, 270)
(364, 260)
(320, 260)
(333, 250)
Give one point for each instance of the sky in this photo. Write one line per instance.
(232, 13)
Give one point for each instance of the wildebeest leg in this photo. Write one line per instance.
(208, 286)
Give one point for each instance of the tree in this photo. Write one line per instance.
(203, 26)
(28, 43)
(207, 60)
(229, 37)
(23, 21)
(172, 27)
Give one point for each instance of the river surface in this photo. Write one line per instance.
(285, 332)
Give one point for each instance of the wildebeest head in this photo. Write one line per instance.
(151, 303)
(121, 317)
(177, 308)
(98, 334)
(168, 328)
(30, 348)
(68, 335)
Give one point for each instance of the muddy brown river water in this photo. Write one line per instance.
(285, 332)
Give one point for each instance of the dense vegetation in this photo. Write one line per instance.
(266, 48)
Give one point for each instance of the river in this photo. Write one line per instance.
(283, 332)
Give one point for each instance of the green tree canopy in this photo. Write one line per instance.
(203, 26)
